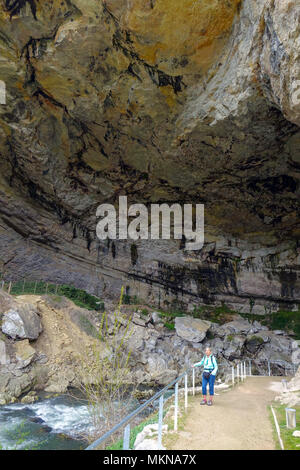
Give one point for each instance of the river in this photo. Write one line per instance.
(48, 424)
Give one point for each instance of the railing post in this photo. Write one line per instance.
(284, 385)
(237, 373)
(232, 375)
(290, 415)
(185, 391)
(269, 369)
(250, 367)
(176, 408)
(193, 381)
(126, 438)
(160, 420)
(245, 370)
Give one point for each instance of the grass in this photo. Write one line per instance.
(289, 441)
(282, 320)
(152, 419)
(285, 320)
(220, 315)
(88, 327)
(169, 318)
(80, 297)
(288, 321)
(171, 437)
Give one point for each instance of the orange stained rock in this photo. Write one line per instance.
(179, 35)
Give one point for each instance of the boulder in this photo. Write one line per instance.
(138, 320)
(281, 344)
(12, 386)
(156, 318)
(4, 357)
(240, 327)
(22, 322)
(6, 301)
(147, 438)
(137, 338)
(160, 369)
(254, 343)
(24, 353)
(259, 326)
(216, 345)
(31, 397)
(192, 329)
(296, 357)
(233, 347)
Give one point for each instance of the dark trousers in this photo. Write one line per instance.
(210, 382)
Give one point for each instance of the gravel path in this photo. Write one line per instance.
(238, 420)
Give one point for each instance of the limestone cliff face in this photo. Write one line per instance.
(162, 100)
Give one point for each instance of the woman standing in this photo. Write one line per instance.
(209, 375)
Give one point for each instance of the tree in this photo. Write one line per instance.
(105, 376)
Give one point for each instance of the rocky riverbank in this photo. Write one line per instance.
(41, 344)
(43, 338)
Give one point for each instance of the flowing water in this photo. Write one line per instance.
(56, 423)
(52, 424)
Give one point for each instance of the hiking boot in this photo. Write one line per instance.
(203, 402)
(209, 403)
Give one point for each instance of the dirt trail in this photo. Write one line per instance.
(238, 420)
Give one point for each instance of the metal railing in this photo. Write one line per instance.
(267, 367)
(126, 421)
(234, 374)
(238, 374)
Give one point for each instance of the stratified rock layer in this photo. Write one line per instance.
(165, 101)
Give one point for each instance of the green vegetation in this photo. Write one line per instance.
(105, 376)
(152, 419)
(134, 432)
(131, 300)
(289, 441)
(256, 339)
(286, 320)
(219, 315)
(169, 318)
(20, 435)
(282, 320)
(170, 326)
(88, 327)
(78, 296)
